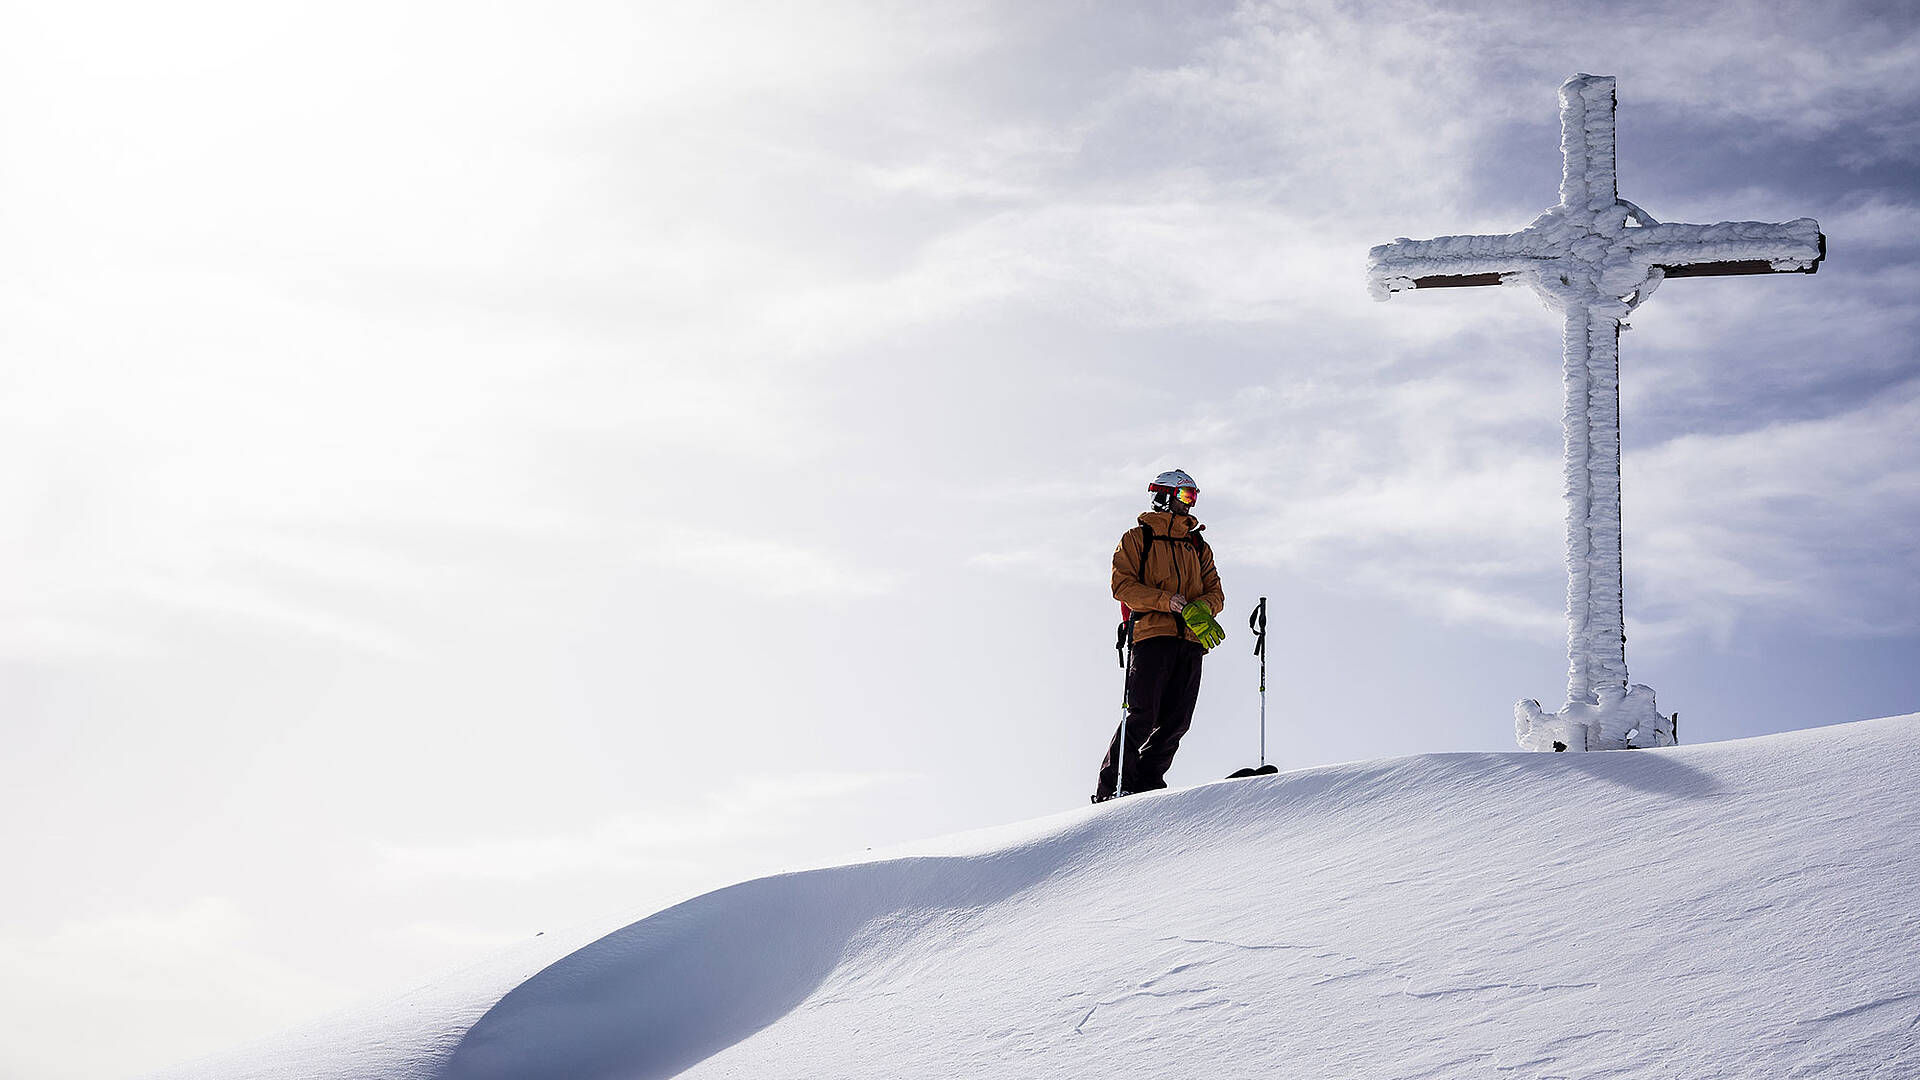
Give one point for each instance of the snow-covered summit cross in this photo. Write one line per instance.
(1594, 258)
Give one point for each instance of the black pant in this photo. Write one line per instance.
(1162, 687)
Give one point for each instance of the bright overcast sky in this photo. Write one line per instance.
(473, 469)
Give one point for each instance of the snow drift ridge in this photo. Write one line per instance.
(1730, 910)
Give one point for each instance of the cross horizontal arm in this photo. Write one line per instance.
(1449, 260)
(1733, 247)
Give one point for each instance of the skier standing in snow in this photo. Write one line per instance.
(1164, 578)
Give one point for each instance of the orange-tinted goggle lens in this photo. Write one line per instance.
(1189, 495)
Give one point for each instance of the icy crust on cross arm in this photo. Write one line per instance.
(1793, 245)
(1392, 268)
(1619, 252)
(1594, 248)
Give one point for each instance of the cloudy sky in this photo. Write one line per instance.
(471, 470)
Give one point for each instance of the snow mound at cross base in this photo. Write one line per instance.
(1739, 909)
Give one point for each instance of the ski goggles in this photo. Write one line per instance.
(1187, 495)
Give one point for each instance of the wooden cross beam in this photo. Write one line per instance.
(1594, 258)
(1670, 270)
(1593, 232)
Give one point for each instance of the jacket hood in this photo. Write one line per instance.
(1168, 524)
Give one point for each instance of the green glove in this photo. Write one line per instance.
(1200, 621)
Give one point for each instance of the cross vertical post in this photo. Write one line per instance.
(1594, 258)
(1596, 634)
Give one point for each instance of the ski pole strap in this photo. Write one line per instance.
(1257, 622)
(1124, 637)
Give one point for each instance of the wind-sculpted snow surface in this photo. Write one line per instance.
(1421, 917)
(1451, 915)
(665, 993)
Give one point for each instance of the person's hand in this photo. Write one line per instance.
(1200, 621)
(1177, 604)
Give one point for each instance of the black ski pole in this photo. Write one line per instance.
(1257, 622)
(1124, 645)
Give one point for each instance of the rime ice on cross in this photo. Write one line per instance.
(1594, 258)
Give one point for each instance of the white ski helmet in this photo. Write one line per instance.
(1167, 488)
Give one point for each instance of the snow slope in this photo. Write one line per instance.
(1743, 909)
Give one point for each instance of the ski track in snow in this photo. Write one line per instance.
(1445, 916)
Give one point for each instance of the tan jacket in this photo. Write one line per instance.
(1175, 565)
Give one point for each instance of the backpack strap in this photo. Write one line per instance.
(1146, 551)
(1193, 539)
